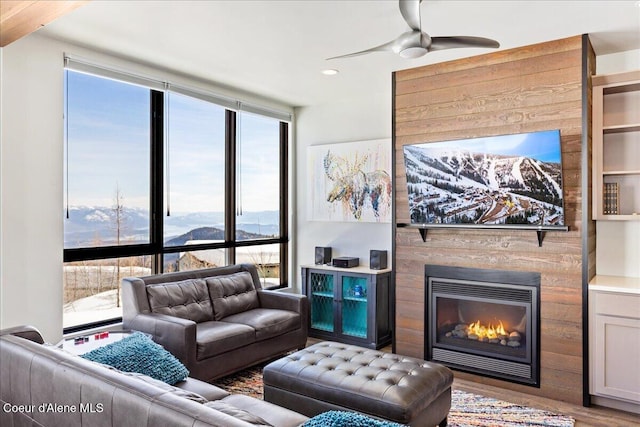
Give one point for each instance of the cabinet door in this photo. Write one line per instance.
(355, 307)
(617, 352)
(321, 287)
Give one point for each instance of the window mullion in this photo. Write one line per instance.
(157, 175)
(284, 202)
(230, 183)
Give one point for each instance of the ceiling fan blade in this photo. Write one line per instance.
(410, 10)
(440, 43)
(415, 43)
(387, 47)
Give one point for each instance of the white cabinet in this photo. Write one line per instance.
(616, 146)
(614, 324)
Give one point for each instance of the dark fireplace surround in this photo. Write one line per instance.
(464, 307)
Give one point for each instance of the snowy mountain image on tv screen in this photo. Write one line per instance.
(507, 179)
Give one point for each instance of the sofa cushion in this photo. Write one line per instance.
(213, 338)
(138, 353)
(188, 299)
(237, 413)
(267, 322)
(231, 294)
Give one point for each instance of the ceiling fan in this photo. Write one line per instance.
(416, 43)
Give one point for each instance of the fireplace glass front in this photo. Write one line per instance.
(487, 328)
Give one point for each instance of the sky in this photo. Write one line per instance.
(108, 148)
(543, 145)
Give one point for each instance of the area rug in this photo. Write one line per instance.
(467, 409)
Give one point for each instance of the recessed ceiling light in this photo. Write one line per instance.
(330, 72)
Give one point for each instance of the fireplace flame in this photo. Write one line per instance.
(489, 332)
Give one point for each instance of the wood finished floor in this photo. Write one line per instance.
(594, 416)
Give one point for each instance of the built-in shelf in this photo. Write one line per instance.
(621, 128)
(616, 146)
(632, 217)
(625, 172)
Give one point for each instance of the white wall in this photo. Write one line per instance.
(617, 242)
(618, 62)
(31, 193)
(31, 174)
(343, 121)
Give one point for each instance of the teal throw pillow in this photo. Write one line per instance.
(138, 353)
(347, 419)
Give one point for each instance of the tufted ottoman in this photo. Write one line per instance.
(332, 376)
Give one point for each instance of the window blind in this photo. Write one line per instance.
(83, 66)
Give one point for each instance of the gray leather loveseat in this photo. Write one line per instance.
(41, 385)
(216, 321)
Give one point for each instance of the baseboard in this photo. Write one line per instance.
(634, 408)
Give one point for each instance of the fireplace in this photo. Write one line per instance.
(484, 321)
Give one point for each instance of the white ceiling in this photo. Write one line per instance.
(277, 49)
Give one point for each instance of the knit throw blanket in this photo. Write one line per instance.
(346, 419)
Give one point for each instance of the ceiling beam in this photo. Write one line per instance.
(20, 18)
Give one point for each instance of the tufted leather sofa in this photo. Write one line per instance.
(42, 385)
(216, 321)
(334, 376)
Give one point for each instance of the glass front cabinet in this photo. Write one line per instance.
(349, 305)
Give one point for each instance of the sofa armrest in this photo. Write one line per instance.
(282, 300)
(24, 331)
(176, 335)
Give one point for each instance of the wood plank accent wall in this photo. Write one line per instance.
(527, 89)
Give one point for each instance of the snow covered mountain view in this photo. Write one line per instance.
(98, 226)
(455, 186)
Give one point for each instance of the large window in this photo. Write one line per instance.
(108, 152)
(194, 171)
(159, 181)
(258, 192)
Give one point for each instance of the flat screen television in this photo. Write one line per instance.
(491, 181)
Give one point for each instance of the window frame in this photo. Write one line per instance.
(156, 247)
